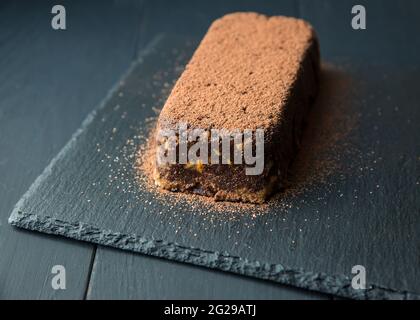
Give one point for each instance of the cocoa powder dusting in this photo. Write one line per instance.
(250, 72)
(325, 141)
(252, 78)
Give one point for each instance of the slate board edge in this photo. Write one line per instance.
(336, 285)
(339, 285)
(86, 122)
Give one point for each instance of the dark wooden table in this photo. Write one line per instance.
(52, 79)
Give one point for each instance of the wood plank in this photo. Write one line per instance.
(119, 275)
(145, 277)
(50, 80)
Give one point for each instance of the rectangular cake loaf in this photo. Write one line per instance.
(252, 79)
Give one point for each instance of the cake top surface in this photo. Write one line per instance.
(241, 74)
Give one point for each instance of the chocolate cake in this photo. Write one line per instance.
(251, 73)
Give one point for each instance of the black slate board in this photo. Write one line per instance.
(368, 217)
(141, 276)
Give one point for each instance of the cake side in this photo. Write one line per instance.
(250, 72)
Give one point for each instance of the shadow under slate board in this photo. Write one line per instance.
(367, 215)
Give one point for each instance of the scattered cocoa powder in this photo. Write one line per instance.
(324, 142)
(324, 139)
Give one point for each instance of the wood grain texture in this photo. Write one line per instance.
(50, 80)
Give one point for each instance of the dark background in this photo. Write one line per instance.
(52, 79)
